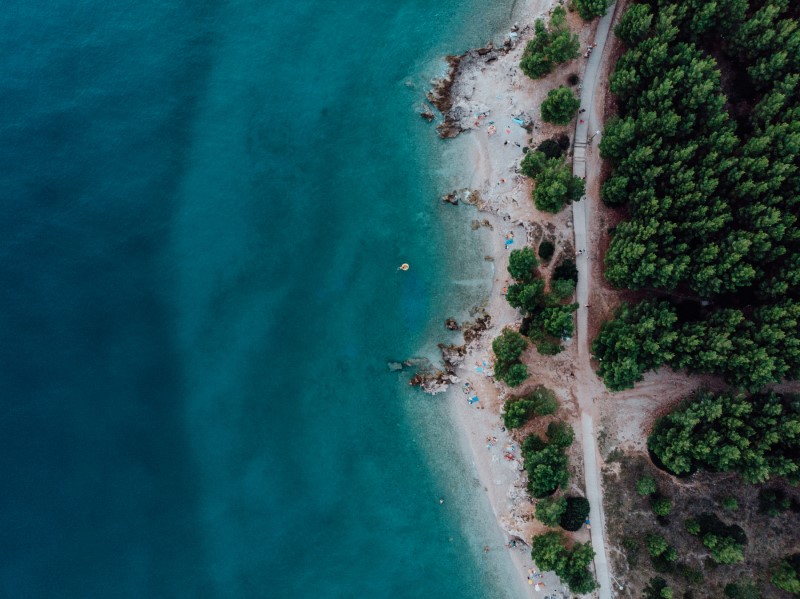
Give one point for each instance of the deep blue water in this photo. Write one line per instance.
(204, 207)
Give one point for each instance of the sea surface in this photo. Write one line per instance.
(204, 207)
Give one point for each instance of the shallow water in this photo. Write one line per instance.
(205, 207)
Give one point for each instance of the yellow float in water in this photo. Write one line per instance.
(403, 266)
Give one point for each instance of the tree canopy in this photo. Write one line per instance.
(551, 45)
(560, 106)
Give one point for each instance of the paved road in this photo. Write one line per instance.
(585, 133)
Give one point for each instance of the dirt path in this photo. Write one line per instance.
(587, 131)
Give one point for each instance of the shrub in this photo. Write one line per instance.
(549, 47)
(577, 510)
(548, 348)
(516, 375)
(563, 288)
(730, 503)
(522, 264)
(657, 589)
(532, 164)
(656, 545)
(772, 502)
(556, 186)
(786, 575)
(560, 106)
(743, 589)
(646, 486)
(692, 526)
(550, 511)
(724, 550)
(661, 506)
(589, 9)
(560, 434)
(573, 79)
(549, 552)
(546, 250)
(563, 141)
(540, 402)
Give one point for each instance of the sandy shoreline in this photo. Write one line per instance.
(492, 93)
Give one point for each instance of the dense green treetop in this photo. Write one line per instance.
(560, 106)
(550, 46)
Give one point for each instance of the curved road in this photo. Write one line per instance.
(585, 133)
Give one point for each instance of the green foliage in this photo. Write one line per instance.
(646, 485)
(560, 106)
(539, 402)
(548, 348)
(692, 526)
(712, 204)
(724, 550)
(528, 297)
(786, 574)
(546, 250)
(558, 320)
(757, 436)
(566, 271)
(639, 339)
(563, 288)
(546, 462)
(730, 503)
(549, 46)
(508, 347)
(560, 434)
(772, 502)
(549, 511)
(556, 186)
(634, 25)
(575, 514)
(656, 545)
(657, 589)
(533, 163)
(661, 506)
(516, 375)
(522, 265)
(743, 589)
(589, 9)
(550, 148)
(549, 552)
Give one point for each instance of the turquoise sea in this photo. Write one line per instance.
(205, 204)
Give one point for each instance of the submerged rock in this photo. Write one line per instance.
(451, 325)
(451, 198)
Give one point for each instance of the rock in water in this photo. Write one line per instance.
(450, 198)
(451, 325)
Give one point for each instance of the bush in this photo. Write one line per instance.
(560, 434)
(532, 164)
(634, 24)
(724, 550)
(546, 250)
(589, 9)
(548, 348)
(516, 375)
(556, 186)
(563, 288)
(742, 590)
(549, 47)
(772, 502)
(566, 271)
(573, 79)
(549, 552)
(560, 106)
(540, 402)
(657, 589)
(563, 141)
(692, 526)
(646, 486)
(577, 510)
(730, 503)
(661, 506)
(550, 511)
(522, 264)
(656, 545)
(786, 575)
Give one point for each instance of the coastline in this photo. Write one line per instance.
(488, 83)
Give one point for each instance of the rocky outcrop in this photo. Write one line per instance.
(451, 198)
(451, 325)
(473, 330)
